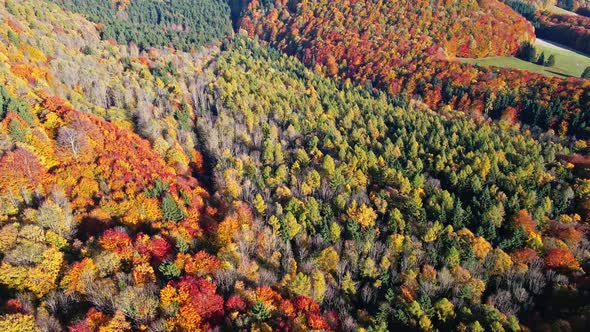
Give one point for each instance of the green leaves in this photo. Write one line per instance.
(154, 23)
(260, 312)
(157, 189)
(169, 270)
(170, 209)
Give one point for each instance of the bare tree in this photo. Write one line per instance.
(72, 139)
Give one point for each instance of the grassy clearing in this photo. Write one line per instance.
(512, 62)
(556, 10)
(568, 62)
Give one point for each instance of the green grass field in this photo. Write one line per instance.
(561, 11)
(568, 62)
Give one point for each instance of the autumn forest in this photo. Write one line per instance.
(300, 165)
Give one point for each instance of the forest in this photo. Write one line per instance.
(183, 24)
(417, 62)
(290, 176)
(572, 31)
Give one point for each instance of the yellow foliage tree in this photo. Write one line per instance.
(301, 285)
(348, 285)
(481, 247)
(364, 215)
(319, 286)
(501, 262)
(117, 324)
(328, 260)
(18, 323)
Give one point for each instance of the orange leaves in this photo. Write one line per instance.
(85, 190)
(288, 309)
(410, 47)
(20, 169)
(331, 66)
(14, 25)
(570, 235)
(30, 73)
(312, 313)
(524, 256)
(72, 280)
(201, 264)
(188, 319)
(121, 4)
(524, 220)
(143, 273)
(118, 242)
(316, 321)
(226, 230)
(198, 303)
(558, 258)
(268, 296)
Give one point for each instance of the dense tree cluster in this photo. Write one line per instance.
(182, 24)
(236, 189)
(573, 5)
(569, 30)
(420, 220)
(101, 230)
(415, 62)
(524, 8)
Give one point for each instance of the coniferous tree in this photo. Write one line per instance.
(170, 209)
(550, 61)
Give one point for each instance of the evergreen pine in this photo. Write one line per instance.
(550, 61)
(170, 210)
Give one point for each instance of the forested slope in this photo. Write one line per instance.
(408, 48)
(573, 31)
(182, 24)
(235, 188)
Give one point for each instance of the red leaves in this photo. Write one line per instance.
(13, 306)
(235, 303)
(524, 256)
(401, 51)
(306, 304)
(115, 241)
(573, 31)
(200, 294)
(558, 258)
(160, 249)
(311, 309)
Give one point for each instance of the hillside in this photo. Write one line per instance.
(415, 61)
(569, 63)
(234, 187)
(183, 24)
(572, 31)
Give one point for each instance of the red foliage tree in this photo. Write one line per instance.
(558, 258)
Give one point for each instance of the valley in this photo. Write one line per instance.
(303, 165)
